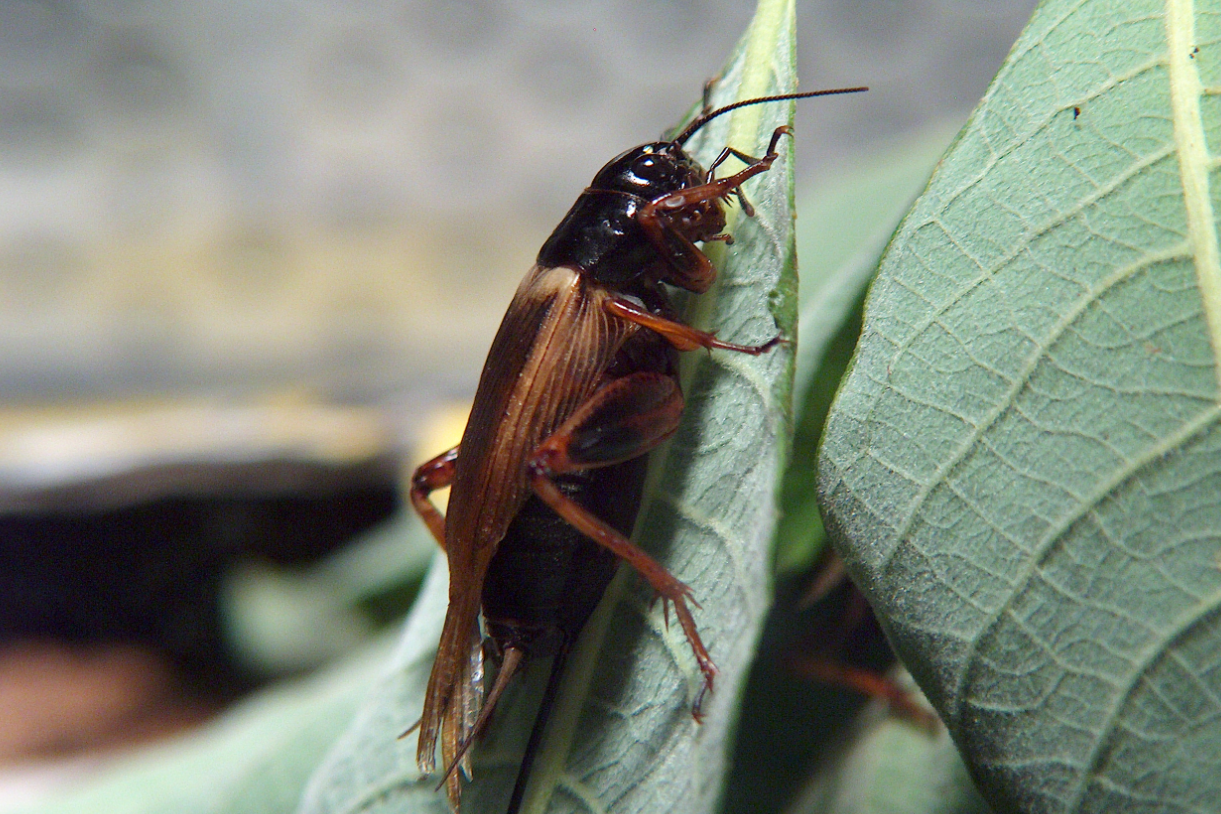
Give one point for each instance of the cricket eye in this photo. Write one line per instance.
(644, 166)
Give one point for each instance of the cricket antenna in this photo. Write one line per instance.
(703, 119)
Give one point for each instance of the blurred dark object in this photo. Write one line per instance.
(118, 532)
(845, 654)
(792, 722)
(150, 572)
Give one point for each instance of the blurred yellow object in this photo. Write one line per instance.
(441, 430)
(118, 452)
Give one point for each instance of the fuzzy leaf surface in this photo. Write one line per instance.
(1023, 469)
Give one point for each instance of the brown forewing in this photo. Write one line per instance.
(548, 357)
(553, 347)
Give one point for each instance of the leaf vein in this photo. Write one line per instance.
(1111, 721)
(1023, 378)
(1055, 533)
(1023, 243)
(1191, 143)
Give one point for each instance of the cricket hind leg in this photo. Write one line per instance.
(623, 420)
(428, 478)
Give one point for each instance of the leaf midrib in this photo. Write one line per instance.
(1190, 143)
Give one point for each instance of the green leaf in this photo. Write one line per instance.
(621, 731)
(254, 759)
(890, 766)
(369, 769)
(1023, 469)
(843, 226)
(281, 620)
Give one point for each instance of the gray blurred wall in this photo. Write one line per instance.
(234, 195)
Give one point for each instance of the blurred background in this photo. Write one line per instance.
(251, 252)
(234, 196)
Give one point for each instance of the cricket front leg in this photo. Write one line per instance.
(681, 337)
(623, 420)
(428, 478)
(661, 216)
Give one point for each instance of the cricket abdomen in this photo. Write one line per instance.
(547, 577)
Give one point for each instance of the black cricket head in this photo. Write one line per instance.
(661, 167)
(602, 235)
